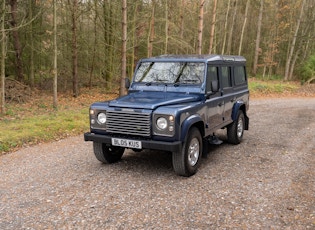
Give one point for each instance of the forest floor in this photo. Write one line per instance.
(36, 121)
(41, 101)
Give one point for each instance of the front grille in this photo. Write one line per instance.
(128, 122)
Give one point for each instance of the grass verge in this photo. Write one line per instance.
(34, 122)
(272, 87)
(34, 129)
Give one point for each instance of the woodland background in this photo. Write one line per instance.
(63, 45)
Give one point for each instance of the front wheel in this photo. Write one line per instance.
(235, 130)
(107, 154)
(186, 162)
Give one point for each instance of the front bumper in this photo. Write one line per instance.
(175, 146)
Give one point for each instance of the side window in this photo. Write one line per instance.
(212, 75)
(226, 76)
(239, 75)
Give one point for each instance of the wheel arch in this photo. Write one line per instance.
(192, 121)
(240, 105)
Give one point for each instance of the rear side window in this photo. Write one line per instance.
(239, 75)
(212, 75)
(226, 77)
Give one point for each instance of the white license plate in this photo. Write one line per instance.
(127, 143)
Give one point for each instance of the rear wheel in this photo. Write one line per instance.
(235, 130)
(186, 162)
(107, 154)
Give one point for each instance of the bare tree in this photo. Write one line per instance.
(166, 27)
(225, 26)
(229, 45)
(288, 62)
(243, 28)
(32, 71)
(55, 70)
(124, 48)
(258, 37)
(95, 44)
(136, 28)
(151, 31)
(3, 55)
(200, 26)
(109, 27)
(75, 80)
(214, 12)
(16, 41)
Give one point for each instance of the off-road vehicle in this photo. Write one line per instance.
(174, 103)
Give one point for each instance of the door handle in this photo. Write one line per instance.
(234, 99)
(220, 104)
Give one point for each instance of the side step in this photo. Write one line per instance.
(214, 140)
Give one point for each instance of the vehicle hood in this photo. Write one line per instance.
(152, 100)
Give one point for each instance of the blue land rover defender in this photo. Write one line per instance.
(175, 103)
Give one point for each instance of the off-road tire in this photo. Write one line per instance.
(187, 161)
(235, 130)
(107, 154)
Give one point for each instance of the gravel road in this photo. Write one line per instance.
(266, 182)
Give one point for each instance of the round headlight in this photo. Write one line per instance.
(161, 123)
(101, 118)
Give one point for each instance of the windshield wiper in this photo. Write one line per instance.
(180, 72)
(146, 72)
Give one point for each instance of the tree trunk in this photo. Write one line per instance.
(200, 27)
(166, 27)
(229, 45)
(225, 26)
(151, 31)
(3, 56)
(16, 41)
(293, 64)
(109, 47)
(288, 62)
(55, 70)
(94, 45)
(124, 48)
(75, 81)
(258, 37)
(181, 33)
(243, 28)
(135, 39)
(213, 25)
(31, 77)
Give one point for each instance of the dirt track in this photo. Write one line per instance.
(266, 182)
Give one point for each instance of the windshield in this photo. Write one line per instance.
(170, 72)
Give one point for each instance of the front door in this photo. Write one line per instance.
(214, 102)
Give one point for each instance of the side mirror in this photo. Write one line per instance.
(214, 86)
(127, 83)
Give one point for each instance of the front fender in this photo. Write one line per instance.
(188, 123)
